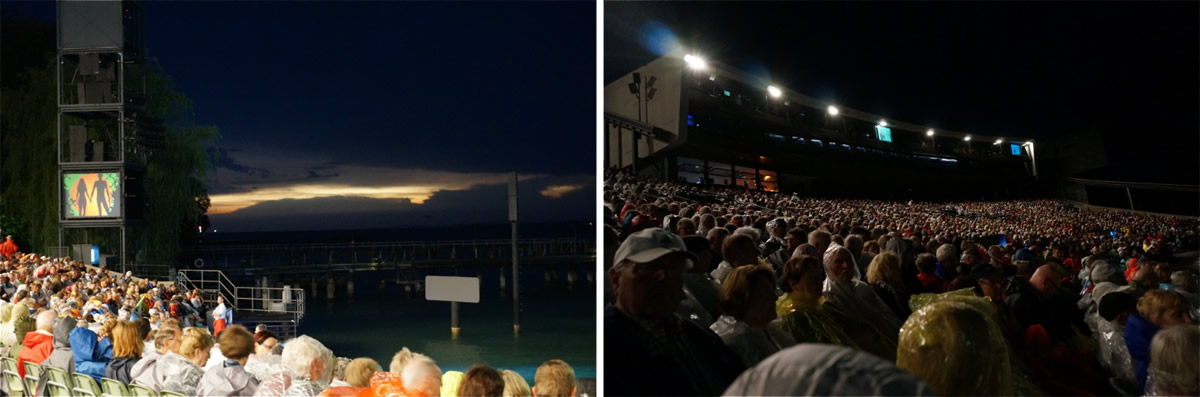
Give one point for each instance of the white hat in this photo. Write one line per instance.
(650, 244)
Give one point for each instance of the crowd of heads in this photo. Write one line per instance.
(995, 298)
(60, 313)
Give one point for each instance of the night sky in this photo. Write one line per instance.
(1125, 71)
(339, 115)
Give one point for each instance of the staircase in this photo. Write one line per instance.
(279, 309)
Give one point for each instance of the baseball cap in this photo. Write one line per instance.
(650, 244)
(987, 271)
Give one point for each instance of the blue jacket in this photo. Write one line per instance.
(88, 358)
(105, 347)
(1138, 334)
(945, 273)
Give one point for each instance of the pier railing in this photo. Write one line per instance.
(388, 253)
(280, 308)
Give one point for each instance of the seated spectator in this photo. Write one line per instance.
(883, 275)
(421, 373)
(804, 315)
(647, 279)
(826, 370)
(947, 262)
(698, 282)
(1156, 310)
(166, 341)
(927, 266)
(1038, 302)
(515, 385)
(554, 378)
(309, 364)
(482, 381)
(231, 379)
(61, 357)
(264, 361)
(739, 250)
(87, 357)
(360, 370)
(872, 325)
(127, 350)
(183, 371)
(957, 349)
(748, 299)
(1174, 361)
(1114, 311)
(38, 344)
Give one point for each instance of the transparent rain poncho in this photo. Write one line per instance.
(954, 344)
(826, 370)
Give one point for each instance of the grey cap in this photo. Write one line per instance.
(650, 244)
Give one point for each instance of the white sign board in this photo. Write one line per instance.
(452, 289)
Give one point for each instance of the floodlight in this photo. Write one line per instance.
(633, 88)
(968, 138)
(883, 123)
(929, 133)
(695, 62)
(774, 91)
(637, 78)
(833, 110)
(651, 80)
(712, 77)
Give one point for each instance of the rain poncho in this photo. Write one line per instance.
(179, 374)
(955, 345)
(826, 370)
(751, 344)
(450, 382)
(807, 320)
(1112, 352)
(691, 309)
(273, 385)
(145, 372)
(88, 359)
(261, 366)
(1138, 334)
(858, 309)
(61, 357)
(305, 388)
(229, 380)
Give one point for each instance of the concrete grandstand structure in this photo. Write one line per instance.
(705, 122)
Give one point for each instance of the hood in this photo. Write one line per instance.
(62, 332)
(123, 364)
(35, 338)
(227, 380)
(83, 344)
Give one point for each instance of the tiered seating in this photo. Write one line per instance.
(62, 384)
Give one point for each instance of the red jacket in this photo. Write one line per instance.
(8, 248)
(38, 347)
(932, 283)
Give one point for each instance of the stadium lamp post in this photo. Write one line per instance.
(830, 111)
(932, 142)
(1032, 157)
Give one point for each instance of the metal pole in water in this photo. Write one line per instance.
(454, 324)
(512, 217)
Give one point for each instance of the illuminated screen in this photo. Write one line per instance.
(883, 133)
(1016, 149)
(91, 195)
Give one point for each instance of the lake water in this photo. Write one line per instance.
(556, 323)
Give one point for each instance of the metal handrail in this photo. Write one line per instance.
(225, 288)
(244, 298)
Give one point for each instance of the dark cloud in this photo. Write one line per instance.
(220, 158)
(481, 204)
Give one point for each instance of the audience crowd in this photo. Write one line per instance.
(59, 313)
(722, 290)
